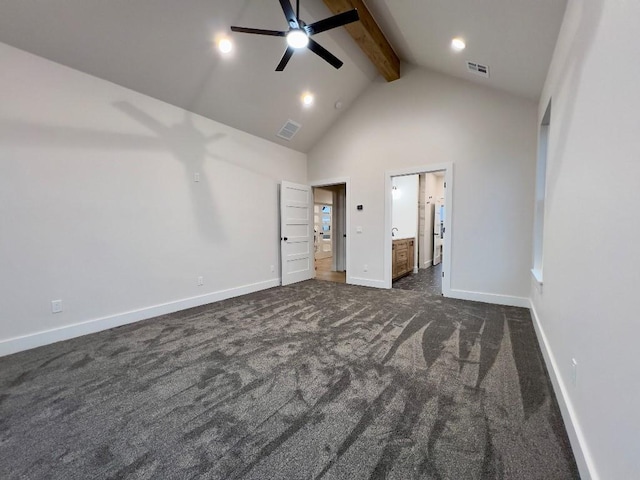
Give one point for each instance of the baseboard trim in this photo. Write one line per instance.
(489, 298)
(584, 460)
(33, 340)
(428, 263)
(366, 282)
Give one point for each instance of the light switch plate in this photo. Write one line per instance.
(56, 306)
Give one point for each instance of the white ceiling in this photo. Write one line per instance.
(515, 38)
(164, 48)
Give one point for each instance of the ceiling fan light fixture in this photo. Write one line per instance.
(297, 38)
(299, 34)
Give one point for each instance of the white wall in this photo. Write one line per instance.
(99, 208)
(439, 187)
(322, 195)
(425, 237)
(404, 212)
(427, 118)
(588, 306)
(433, 189)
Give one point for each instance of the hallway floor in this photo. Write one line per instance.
(324, 272)
(427, 280)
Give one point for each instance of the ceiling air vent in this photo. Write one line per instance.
(289, 130)
(478, 69)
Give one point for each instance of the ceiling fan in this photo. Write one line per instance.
(299, 34)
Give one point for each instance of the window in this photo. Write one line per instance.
(541, 178)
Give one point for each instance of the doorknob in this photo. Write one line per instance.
(284, 238)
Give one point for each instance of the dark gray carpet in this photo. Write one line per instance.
(315, 380)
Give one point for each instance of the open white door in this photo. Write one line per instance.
(341, 230)
(296, 233)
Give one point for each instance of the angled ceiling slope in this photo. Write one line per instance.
(514, 38)
(166, 49)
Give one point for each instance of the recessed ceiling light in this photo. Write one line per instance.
(297, 38)
(225, 45)
(458, 44)
(307, 99)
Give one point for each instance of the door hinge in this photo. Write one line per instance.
(442, 274)
(445, 184)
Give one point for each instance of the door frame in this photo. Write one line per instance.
(388, 205)
(438, 215)
(347, 183)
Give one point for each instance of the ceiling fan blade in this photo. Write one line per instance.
(259, 31)
(289, 14)
(285, 59)
(322, 52)
(339, 20)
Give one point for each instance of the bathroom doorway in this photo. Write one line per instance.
(418, 217)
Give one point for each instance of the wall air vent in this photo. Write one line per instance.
(289, 129)
(478, 69)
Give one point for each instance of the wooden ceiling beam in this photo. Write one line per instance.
(369, 37)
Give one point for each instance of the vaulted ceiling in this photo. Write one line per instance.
(166, 49)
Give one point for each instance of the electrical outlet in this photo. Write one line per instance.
(196, 177)
(574, 372)
(200, 281)
(366, 267)
(273, 268)
(56, 306)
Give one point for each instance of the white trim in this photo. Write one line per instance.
(428, 263)
(584, 460)
(33, 340)
(448, 178)
(537, 275)
(329, 182)
(367, 282)
(494, 298)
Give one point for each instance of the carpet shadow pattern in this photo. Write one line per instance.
(311, 381)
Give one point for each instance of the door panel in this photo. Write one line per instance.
(340, 221)
(296, 233)
(437, 232)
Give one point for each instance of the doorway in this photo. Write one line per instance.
(330, 232)
(417, 215)
(418, 220)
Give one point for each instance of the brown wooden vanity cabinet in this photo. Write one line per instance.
(402, 254)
